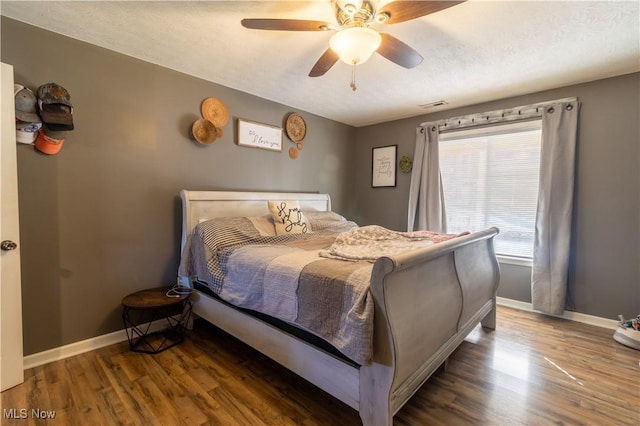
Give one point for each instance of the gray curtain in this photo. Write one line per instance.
(426, 198)
(555, 206)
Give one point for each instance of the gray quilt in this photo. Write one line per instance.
(318, 281)
(284, 276)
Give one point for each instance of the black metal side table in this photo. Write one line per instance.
(142, 308)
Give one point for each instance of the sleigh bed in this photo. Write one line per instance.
(423, 303)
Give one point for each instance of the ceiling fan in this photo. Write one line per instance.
(354, 41)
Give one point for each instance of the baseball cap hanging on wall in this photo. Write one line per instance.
(27, 121)
(56, 111)
(47, 144)
(54, 105)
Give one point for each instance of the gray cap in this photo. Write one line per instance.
(26, 105)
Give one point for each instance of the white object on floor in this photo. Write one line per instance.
(628, 337)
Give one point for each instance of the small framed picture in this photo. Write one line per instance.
(257, 135)
(383, 166)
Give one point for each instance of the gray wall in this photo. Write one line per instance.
(102, 218)
(604, 276)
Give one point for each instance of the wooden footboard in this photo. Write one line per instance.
(426, 303)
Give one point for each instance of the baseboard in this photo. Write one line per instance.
(83, 346)
(98, 342)
(569, 315)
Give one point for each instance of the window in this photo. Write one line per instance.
(490, 178)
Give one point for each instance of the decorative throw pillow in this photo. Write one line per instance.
(288, 217)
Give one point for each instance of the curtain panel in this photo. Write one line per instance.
(426, 198)
(555, 207)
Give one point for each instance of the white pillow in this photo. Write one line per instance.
(264, 225)
(288, 217)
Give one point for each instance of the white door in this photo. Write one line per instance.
(11, 362)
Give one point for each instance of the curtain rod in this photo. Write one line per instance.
(523, 112)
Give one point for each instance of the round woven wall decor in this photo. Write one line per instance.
(204, 131)
(215, 111)
(296, 127)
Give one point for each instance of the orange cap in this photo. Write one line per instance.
(47, 144)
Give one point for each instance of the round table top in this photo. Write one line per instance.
(152, 298)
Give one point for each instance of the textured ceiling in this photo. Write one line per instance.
(473, 52)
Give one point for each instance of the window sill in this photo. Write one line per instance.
(519, 261)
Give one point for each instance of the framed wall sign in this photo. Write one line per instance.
(258, 135)
(383, 170)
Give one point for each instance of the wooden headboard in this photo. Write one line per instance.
(203, 205)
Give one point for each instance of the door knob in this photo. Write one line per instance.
(7, 245)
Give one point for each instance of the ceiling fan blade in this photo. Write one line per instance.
(398, 52)
(285, 24)
(326, 61)
(400, 11)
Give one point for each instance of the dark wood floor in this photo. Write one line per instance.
(532, 370)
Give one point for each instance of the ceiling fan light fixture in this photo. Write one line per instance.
(355, 45)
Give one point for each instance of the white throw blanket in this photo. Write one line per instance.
(373, 241)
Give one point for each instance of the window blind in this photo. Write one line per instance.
(490, 178)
